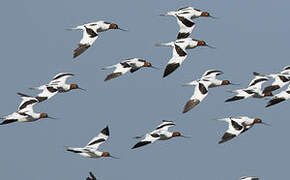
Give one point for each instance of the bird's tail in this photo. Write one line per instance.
(37, 88)
(165, 44)
(108, 67)
(189, 84)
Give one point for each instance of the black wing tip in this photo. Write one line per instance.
(190, 104)
(23, 95)
(274, 101)
(235, 98)
(271, 88)
(112, 76)
(170, 68)
(106, 131)
(141, 143)
(80, 49)
(226, 137)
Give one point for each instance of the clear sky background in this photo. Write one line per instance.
(249, 36)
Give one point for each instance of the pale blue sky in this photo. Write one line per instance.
(249, 36)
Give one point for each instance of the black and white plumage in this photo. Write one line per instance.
(238, 125)
(90, 34)
(91, 177)
(179, 53)
(56, 85)
(254, 89)
(184, 18)
(132, 65)
(249, 178)
(200, 92)
(286, 71)
(25, 112)
(280, 80)
(160, 133)
(210, 75)
(280, 97)
(91, 149)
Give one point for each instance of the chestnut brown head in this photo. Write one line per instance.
(43, 115)
(205, 14)
(176, 134)
(74, 86)
(106, 154)
(147, 64)
(113, 26)
(257, 120)
(226, 82)
(268, 94)
(201, 43)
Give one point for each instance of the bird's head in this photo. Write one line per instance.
(257, 121)
(147, 64)
(226, 82)
(113, 26)
(106, 154)
(176, 134)
(43, 115)
(201, 43)
(205, 14)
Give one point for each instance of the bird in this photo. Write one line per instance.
(25, 112)
(91, 177)
(249, 178)
(160, 133)
(286, 70)
(200, 92)
(90, 34)
(91, 149)
(238, 125)
(56, 85)
(131, 64)
(179, 53)
(280, 97)
(280, 81)
(184, 18)
(211, 76)
(253, 89)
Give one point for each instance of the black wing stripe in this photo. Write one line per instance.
(202, 88)
(185, 21)
(141, 143)
(97, 141)
(258, 80)
(164, 125)
(62, 75)
(24, 105)
(180, 51)
(236, 125)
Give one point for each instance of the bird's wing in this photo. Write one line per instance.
(186, 26)
(121, 69)
(165, 125)
(212, 73)
(234, 129)
(149, 138)
(99, 139)
(89, 37)
(178, 56)
(47, 93)
(27, 103)
(258, 81)
(60, 79)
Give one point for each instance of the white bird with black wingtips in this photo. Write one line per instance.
(132, 65)
(211, 76)
(91, 149)
(179, 53)
(200, 92)
(238, 125)
(160, 133)
(90, 34)
(184, 18)
(57, 85)
(249, 178)
(25, 111)
(254, 89)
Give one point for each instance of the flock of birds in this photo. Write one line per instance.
(184, 16)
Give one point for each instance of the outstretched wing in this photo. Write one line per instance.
(100, 139)
(186, 26)
(47, 93)
(27, 103)
(178, 56)
(212, 73)
(234, 129)
(121, 69)
(89, 37)
(149, 138)
(60, 79)
(165, 125)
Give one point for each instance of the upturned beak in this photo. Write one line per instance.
(82, 89)
(122, 29)
(114, 157)
(266, 124)
(184, 136)
(155, 67)
(51, 117)
(212, 47)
